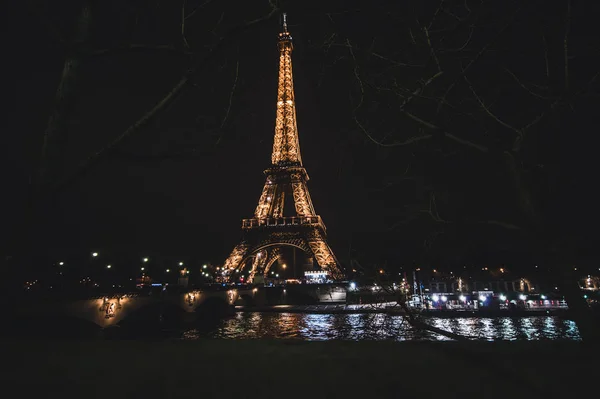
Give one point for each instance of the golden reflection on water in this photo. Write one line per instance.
(358, 327)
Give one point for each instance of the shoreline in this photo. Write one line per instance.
(396, 311)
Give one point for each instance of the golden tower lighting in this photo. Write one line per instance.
(269, 230)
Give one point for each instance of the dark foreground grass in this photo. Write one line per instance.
(290, 369)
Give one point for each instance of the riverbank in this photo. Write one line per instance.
(297, 369)
(392, 308)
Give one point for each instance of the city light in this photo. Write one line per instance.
(108, 266)
(204, 266)
(168, 270)
(180, 263)
(61, 263)
(145, 260)
(444, 298)
(284, 266)
(543, 297)
(502, 297)
(522, 297)
(352, 286)
(435, 298)
(142, 268)
(94, 254)
(482, 298)
(462, 298)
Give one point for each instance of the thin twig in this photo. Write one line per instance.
(356, 75)
(566, 44)
(190, 15)
(525, 87)
(99, 155)
(488, 111)
(231, 93)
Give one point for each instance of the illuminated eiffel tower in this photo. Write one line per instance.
(269, 230)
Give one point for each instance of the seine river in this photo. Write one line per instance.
(357, 327)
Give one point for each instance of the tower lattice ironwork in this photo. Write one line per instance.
(269, 230)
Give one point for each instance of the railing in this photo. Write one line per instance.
(283, 221)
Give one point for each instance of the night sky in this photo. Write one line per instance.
(183, 182)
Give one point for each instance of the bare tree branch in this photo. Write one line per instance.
(96, 157)
(566, 44)
(191, 14)
(487, 110)
(139, 47)
(231, 93)
(525, 87)
(183, 18)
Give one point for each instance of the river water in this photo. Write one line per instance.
(357, 327)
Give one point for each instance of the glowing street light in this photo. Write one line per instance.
(94, 254)
(284, 266)
(145, 260)
(61, 263)
(142, 268)
(168, 270)
(204, 266)
(435, 298)
(522, 297)
(482, 298)
(462, 298)
(543, 297)
(108, 266)
(180, 263)
(353, 286)
(444, 298)
(502, 297)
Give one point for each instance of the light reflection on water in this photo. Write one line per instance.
(377, 327)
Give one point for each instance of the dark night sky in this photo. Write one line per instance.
(194, 205)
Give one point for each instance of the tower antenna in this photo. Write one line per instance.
(284, 22)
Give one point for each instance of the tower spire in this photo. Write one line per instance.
(269, 230)
(284, 22)
(286, 146)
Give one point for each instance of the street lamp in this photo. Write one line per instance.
(204, 266)
(142, 268)
(108, 266)
(180, 263)
(167, 270)
(284, 266)
(145, 260)
(94, 254)
(61, 263)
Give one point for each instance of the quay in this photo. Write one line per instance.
(394, 309)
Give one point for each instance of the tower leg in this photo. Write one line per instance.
(325, 258)
(257, 264)
(233, 261)
(274, 254)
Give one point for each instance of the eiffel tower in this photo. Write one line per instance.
(269, 230)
